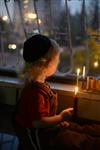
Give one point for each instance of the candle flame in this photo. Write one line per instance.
(76, 90)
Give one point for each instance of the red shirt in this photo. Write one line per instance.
(36, 101)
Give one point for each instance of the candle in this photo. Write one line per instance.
(75, 101)
(83, 72)
(78, 72)
(83, 75)
(87, 83)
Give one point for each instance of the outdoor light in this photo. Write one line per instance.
(25, 1)
(96, 64)
(4, 18)
(32, 16)
(40, 21)
(12, 46)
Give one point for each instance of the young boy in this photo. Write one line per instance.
(36, 109)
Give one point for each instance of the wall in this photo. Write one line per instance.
(8, 95)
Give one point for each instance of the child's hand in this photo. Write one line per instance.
(64, 124)
(66, 113)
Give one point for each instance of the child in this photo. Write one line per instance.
(36, 109)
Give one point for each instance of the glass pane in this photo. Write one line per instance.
(74, 24)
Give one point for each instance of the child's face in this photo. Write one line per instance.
(53, 66)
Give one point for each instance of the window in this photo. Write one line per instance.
(74, 24)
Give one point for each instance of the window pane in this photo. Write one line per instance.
(74, 24)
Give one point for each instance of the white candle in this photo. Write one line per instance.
(78, 72)
(83, 72)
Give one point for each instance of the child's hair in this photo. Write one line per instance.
(40, 66)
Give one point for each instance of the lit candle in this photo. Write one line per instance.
(83, 75)
(83, 72)
(76, 90)
(78, 72)
(75, 101)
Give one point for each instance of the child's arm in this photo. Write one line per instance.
(52, 120)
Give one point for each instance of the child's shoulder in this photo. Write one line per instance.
(41, 88)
